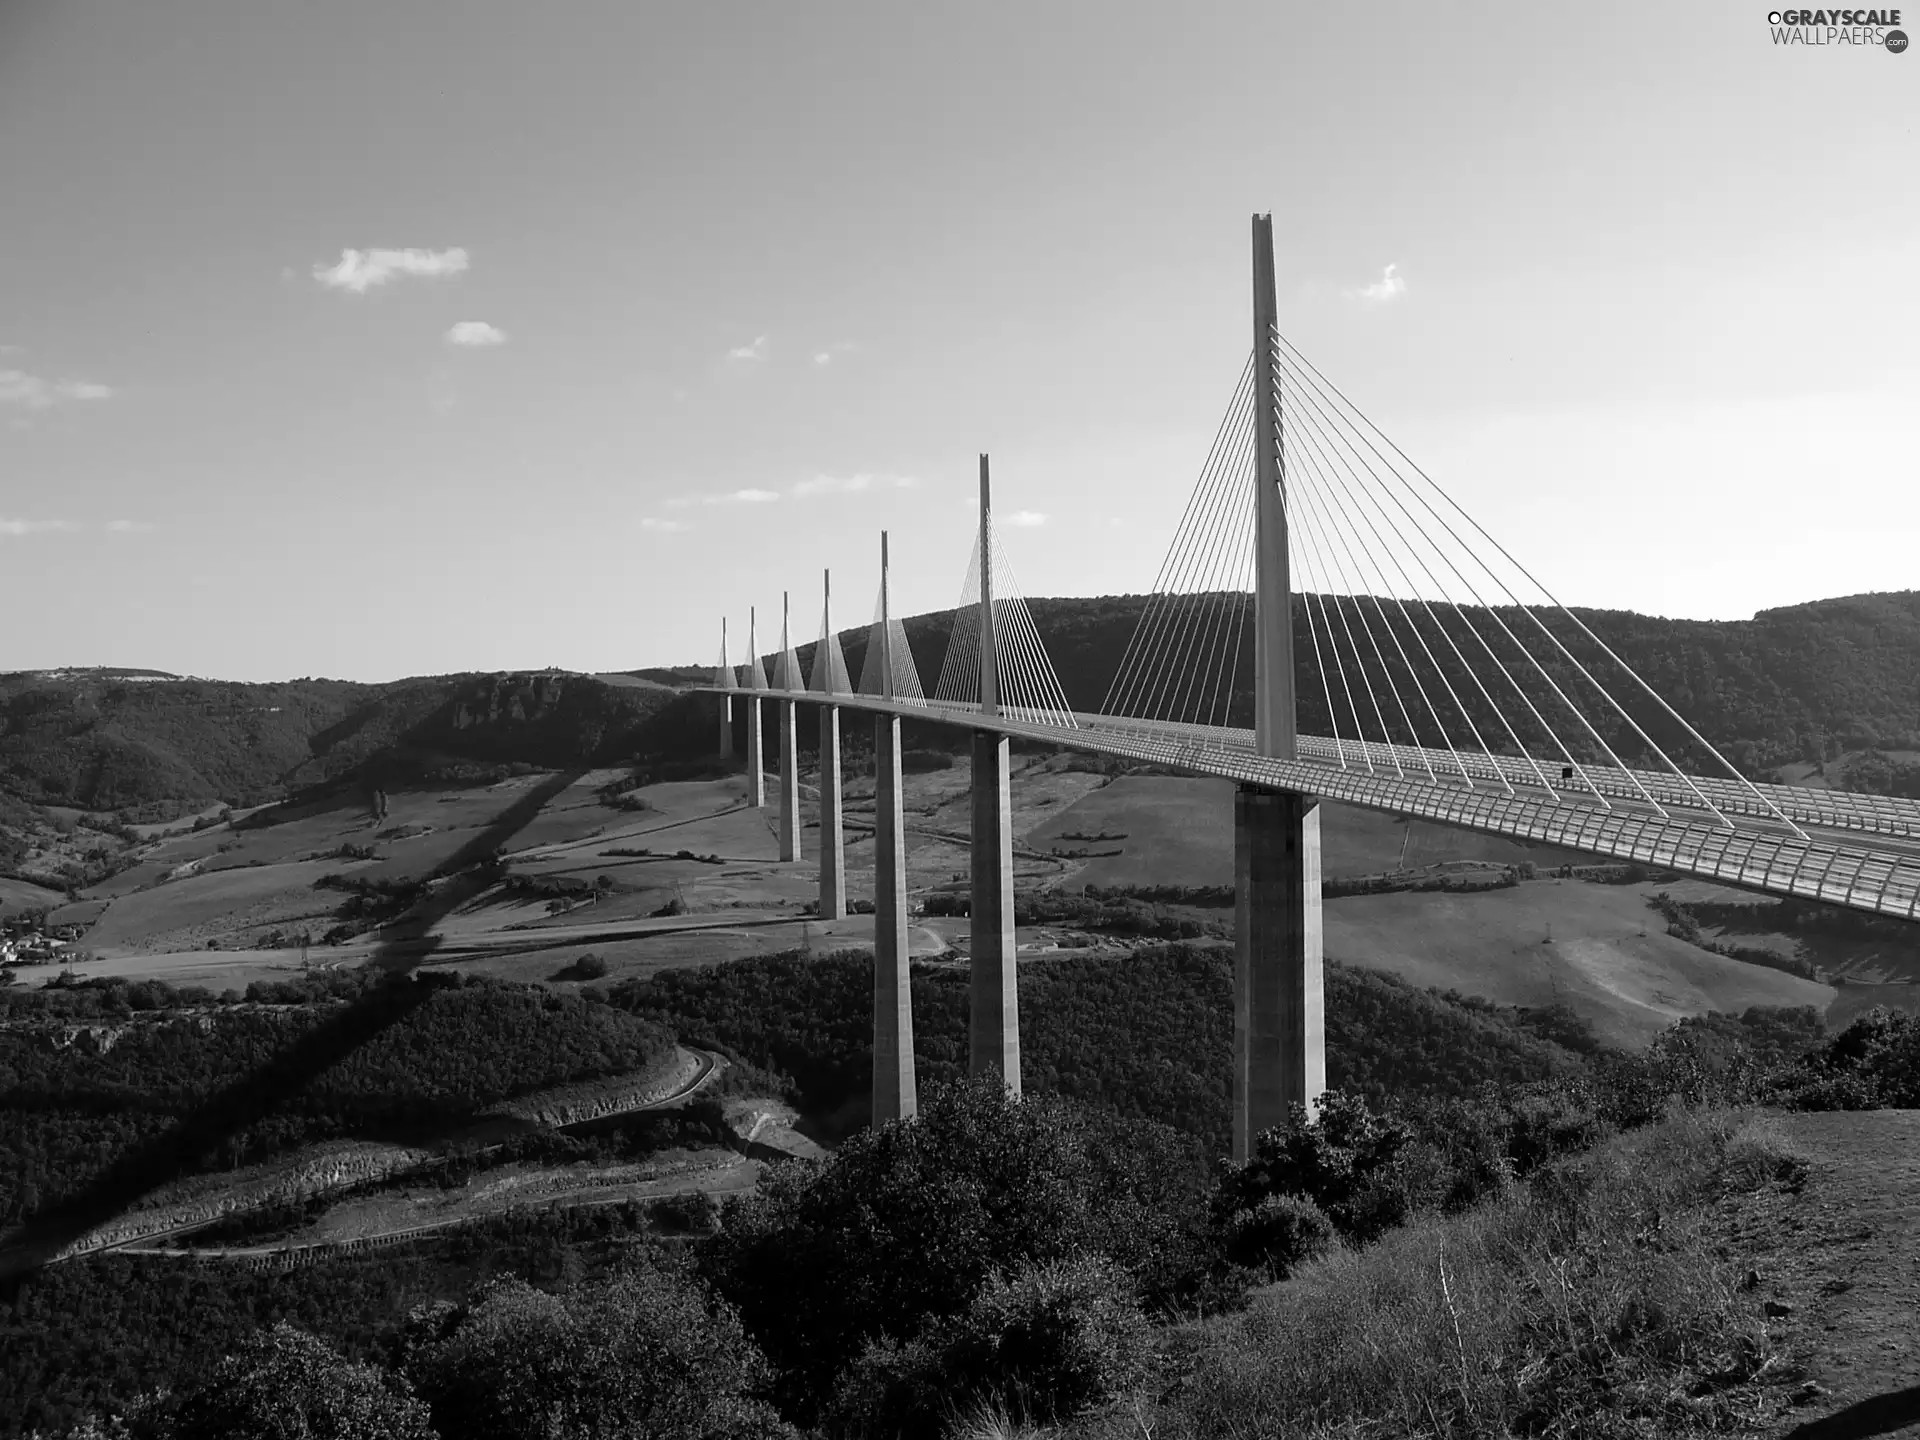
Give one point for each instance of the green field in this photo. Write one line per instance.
(1180, 832)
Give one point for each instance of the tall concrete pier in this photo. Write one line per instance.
(833, 844)
(786, 679)
(1279, 1033)
(894, 1093)
(994, 1025)
(756, 721)
(724, 676)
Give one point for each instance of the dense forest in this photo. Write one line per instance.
(157, 748)
(1147, 1038)
(1027, 1250)
(103, 1103)
(1805, 682)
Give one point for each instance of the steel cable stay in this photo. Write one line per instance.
(1544, 674)
(1045, 692)
(1118, 689)
(1465, 620)
(1439, 670)
(1328, 520)
(1178, 666)
(1234, 585)
(1309, 489)
(1686, 779)
(1216, 485)
(959, 681)
(1309, 550)
(1473, 675)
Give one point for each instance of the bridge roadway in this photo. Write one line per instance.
(1829, 863)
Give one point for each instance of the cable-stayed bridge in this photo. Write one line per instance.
(1328, 623)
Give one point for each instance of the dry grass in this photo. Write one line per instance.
(1592, 1304)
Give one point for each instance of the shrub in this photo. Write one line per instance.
(1587, 1303)
(638, 1353)
(590, 967)
(283, 1384)
(1277, 1234)
(1042, 1346)
(899, 1231)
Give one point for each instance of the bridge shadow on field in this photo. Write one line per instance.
(402, 947)
(1878, 1415)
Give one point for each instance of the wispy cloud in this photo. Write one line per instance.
(360, 270)
(851, 484)
(742, 497)
(755, 351)
(664, 527)
(34, 527)
(128, 527)
(476, 332)
(17, 387)
(831, 353)
(1023, 519)
(1389, 286)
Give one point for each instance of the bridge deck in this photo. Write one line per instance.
(1758, 851)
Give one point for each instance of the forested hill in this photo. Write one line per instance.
(1806, 682)
(105, 743)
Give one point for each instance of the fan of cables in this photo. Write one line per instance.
(1026, 686)
(1421, 646)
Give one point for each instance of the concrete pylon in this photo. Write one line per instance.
(833, 844)
(1279, 1029)
(994, 1023)
(894, 1093)
(789, 747)
(726, 677)
(756, 723)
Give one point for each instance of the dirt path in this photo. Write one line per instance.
(1842, 1258)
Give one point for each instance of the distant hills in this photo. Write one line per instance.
(1796, 686)
(102, 741)
(1802, 684)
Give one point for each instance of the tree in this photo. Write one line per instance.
(902, 1228)
(641, 1353)
(283, 1384)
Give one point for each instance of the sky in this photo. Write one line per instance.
(367, 340)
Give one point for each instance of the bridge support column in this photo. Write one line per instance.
(1279, 1018)
(789, 780)
(726, 727)
(833, 847)
(994, 1047)
(894, 1096)
(756, 754)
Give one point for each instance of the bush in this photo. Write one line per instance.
(1043, 1346)
(589, 967)
(901, 1229)
(1587, 1303)
(639, 1353)
(1277, 1234)
(284, 1384)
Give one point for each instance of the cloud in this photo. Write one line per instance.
(360, 270)
(34, 527)
(742, 497)
(665, 527)
(851, 484)
(128, 527)
(756, 351)
(17, 387)
(476, 332)
(1023, 519)
(828, 355)
(1388, 287)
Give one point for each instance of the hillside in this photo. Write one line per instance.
(1801, 684)
(157, 747)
